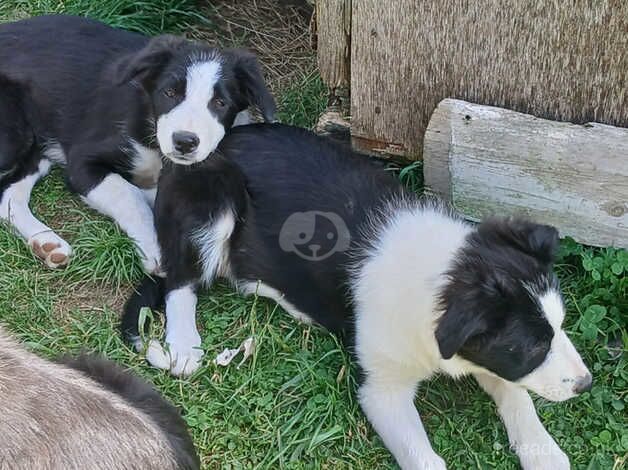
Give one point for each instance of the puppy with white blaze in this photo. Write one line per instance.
(109, 105)
(414, 289)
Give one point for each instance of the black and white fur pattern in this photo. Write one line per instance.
(85, 412)
(419, 291)
(108, 104)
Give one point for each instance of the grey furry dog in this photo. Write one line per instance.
(84, 413)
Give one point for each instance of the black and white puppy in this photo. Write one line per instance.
(335, 239)
(108, 104)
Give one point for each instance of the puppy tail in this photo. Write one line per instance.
(150, 293)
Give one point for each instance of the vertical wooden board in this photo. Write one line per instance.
(564, 61)
(333, 25)
(502, 162)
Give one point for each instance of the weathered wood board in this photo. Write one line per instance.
(333, 23)
(559, 60)
(488, 160)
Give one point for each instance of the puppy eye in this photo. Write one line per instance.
(219, 103)
(170, 92)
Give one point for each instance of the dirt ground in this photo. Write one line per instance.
(277, 30)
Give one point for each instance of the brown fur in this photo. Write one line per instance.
(55, 417)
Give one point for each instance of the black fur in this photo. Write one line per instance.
(94, 88)
(150, 293)
(268, 173)
(145, 398)
(490, 316)
(19, 155)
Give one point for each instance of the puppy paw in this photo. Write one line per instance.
(151, 260)
(52, 249)
(180, 358)
(185, 359)
(433, 462)
(543, 457)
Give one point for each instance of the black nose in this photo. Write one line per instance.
(583, 384)
(184, 141)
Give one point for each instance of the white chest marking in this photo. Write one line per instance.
(53, 151)
(212, 241)
(146, 165)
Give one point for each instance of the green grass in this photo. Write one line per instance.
(144, 16)
(293, 405)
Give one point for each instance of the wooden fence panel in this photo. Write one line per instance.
(565, 61)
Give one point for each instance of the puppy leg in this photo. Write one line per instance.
(389, 406)
(183, 354)
(127, 205)
(47, 245)
(528, 438)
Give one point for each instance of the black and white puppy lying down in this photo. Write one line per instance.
(108, 104)
(334, 239)
(84, 413)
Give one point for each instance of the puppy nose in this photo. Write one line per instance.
(184, 141)
(583, 384)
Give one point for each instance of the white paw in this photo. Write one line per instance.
(546, 456)
(180, 358)
(431, 462)
(52, 249)
(151, 259)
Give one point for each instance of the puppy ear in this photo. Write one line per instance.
(543, 242)
(540, 241)
(251, 81)
(145, 65)
(455, 327)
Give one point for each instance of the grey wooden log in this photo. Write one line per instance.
(493, 161)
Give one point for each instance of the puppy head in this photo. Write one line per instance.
(196, 92)
(503, 310)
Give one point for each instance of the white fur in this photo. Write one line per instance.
(556, 377)
(264, 290)
(396, 344)
(146, 165)
(183, 353)
(193, 115)
(243, 118)
(412, 253)
(395, 322)
(388, 402)
(126, 204)
(150, 194)
(54, 152)
(212, 241)
(15, 210)
(536, 449)
(552, 304)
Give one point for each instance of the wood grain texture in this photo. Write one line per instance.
(493, 161)
(565, 61)
(333, 26)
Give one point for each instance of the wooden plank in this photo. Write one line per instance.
(489, 160)
(333, 27)
(564, 61)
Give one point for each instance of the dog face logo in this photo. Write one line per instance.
(314, 235)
